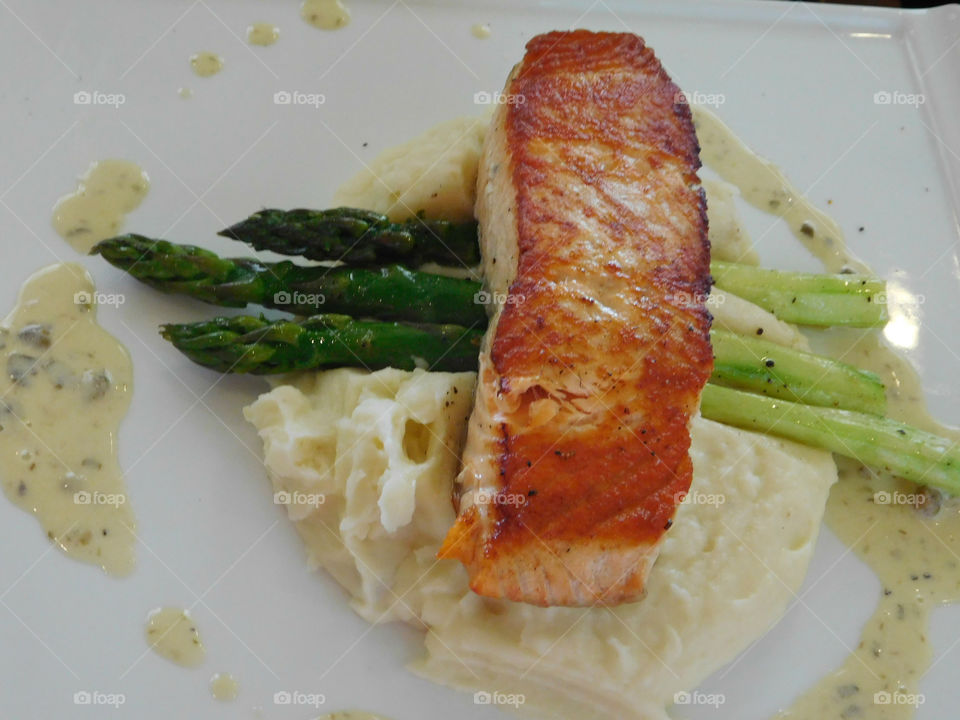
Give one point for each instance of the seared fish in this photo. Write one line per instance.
(594, 242)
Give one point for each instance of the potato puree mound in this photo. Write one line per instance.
(383, 449)
(434, 173)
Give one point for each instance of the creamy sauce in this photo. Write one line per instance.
(325, 14)
(481, 31)
(185, 92)
(98, 207)
(205, 64)
(910, 538)
(764, 186)
(224, 687)
(65, 388)
(262, 34)
(173, 634)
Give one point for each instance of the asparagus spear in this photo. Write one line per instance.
(389, 293)
(362, 237)
(741, 362)
(247, 344)
(874, 441)
(770, 369)
(805, 298)
(358, 237)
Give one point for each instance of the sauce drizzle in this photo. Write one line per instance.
(65, 387)
(173, 634)
(325, 14)
(206, 64)
(98, 207)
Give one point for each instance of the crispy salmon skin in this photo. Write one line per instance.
(595, 251)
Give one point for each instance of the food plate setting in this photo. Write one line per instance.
(380, 361)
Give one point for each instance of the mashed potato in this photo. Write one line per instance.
(435, 173)
(367, 462)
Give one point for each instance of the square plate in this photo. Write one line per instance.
(798, 83)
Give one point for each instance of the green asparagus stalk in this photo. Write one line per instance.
(769, 369)
(358, 237)
(878, 442)
(247, 344)
(388, 293)
(741, 362)
(362, 237)
(805, 298)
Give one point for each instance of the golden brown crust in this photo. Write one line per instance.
(602, 348)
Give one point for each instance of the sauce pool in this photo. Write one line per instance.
(65, 387)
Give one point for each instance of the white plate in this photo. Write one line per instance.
(798, 83)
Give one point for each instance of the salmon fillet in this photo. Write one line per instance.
(594, 242)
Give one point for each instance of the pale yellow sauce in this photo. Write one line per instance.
(185, 92)
(262, 34)
(224, 687)
(205, 64)
(325, 14)
(911, 539)
(480, 31)
(764, 186)
(65, 387)
(351, 715)
(173, 634)
(98, 207)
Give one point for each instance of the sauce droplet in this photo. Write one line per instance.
(174, 635)
(205, 64)
(65, 387)
(224, 687)
(481, 31)
(185, 92)
(98, 207)
(325, 14)
(262, 34)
